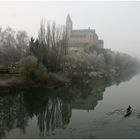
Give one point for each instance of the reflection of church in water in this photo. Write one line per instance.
(87, 104)
(90, 102)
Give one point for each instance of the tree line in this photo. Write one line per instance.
(50, 52)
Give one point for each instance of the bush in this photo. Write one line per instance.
(32, 70)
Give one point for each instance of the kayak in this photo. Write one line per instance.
(127, 113)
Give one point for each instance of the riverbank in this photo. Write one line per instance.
(9, 83)
(15, 82)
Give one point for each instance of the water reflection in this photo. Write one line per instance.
(53, 113)
(13, 114)
(52, 108)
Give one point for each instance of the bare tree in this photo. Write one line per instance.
(51, 45)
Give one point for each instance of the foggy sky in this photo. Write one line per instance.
(117, 23)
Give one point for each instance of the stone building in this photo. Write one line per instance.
(81, 37)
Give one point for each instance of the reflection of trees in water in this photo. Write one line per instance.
(52, 108)
(12, 113)
(121, 77)
(56, 115)
(52, 112)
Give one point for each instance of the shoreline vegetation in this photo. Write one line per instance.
(15, 83)
(49, 62)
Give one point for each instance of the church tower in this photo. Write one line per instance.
(68, 25)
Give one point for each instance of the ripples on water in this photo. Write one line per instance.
(135, 113)
(116, 111)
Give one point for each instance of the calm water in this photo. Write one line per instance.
(94, 110)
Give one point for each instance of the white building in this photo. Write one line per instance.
(81, 37)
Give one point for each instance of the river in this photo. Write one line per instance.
(92, 111)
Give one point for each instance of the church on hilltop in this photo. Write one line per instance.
(81, 37)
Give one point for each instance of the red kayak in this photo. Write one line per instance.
(127, 113)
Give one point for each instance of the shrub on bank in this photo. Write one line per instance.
(32, 70)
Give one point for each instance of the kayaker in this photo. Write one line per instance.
(129, 108)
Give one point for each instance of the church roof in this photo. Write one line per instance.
(84, 30)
